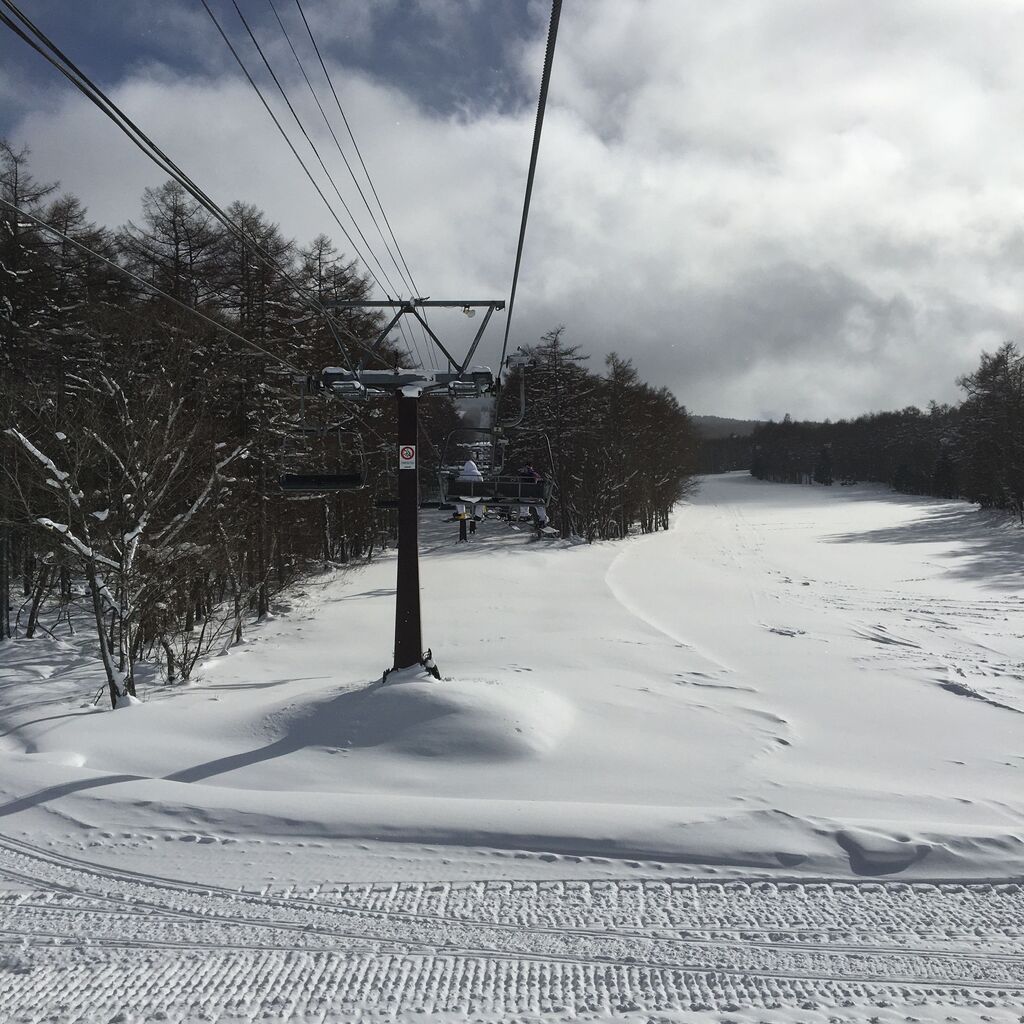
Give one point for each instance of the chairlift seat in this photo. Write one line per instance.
(320, 482)
(496, 490)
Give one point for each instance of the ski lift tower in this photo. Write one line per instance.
(460, 380)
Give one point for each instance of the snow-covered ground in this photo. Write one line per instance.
(768, 765)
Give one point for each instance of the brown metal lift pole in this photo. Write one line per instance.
(408, 633)
(408, 385)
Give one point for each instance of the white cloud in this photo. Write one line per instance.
(805, 205)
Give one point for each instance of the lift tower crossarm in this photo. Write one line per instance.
(472, 348)
(403, 306)
(408, 304)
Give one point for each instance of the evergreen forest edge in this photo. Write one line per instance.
(140, 445)
(973, 450)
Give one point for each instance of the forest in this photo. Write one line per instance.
(156, 379)
(973, 450)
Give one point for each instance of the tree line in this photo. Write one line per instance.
(973, 450)
(619, 452)
(140, 445)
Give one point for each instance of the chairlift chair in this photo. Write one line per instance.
(495, 487)
(320, 482)
(325, 482)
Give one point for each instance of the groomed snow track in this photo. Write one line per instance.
(88, 944)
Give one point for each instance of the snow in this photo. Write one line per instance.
(778, 674)
(44, 460)
(416, 715)
(799, 683)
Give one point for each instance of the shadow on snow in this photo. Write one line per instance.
(985, 547)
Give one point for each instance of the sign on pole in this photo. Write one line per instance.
(407, 456)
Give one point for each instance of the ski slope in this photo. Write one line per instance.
(771, 759)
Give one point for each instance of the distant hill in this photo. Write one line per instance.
(720, 426)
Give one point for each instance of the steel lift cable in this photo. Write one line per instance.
(58, 59)
(355, 145)
(362, 195)
(362, 163)
(405, 338)
(337, 144)
(146, 284)
(549, 55)
(281, 130)
(390, 289)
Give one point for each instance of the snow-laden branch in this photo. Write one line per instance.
(76, 544)
(172, 418)
(171, 531)
(110, 451)
(104, 592)
(61, 478)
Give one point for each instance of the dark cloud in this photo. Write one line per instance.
(808, 206)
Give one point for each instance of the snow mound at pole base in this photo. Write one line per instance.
(460, 720)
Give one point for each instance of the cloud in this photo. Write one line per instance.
(804, 206)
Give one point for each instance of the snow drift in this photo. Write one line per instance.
(765, 686)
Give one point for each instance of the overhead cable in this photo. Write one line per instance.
(390, 289)
(355, 180)
(50, 52)
(355, 145)
(341, 152)
(146, 284)
(280, 127)
(549, 55)
(416, 293)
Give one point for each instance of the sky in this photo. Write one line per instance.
(770, 206)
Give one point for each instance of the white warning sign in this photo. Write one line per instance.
(407, 456)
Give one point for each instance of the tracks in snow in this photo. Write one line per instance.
(81, 940)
